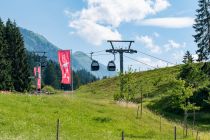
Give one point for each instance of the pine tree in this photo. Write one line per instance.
(187, 58)
(5, 75)
(50, 75)
(17, 55)
(202, 29)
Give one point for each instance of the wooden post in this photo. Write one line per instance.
(137, 113)
(183, 128)
(197, 136)
(193, 119)
(175, 133)
(160, 124)
(57, 129)
(122, 135)
(185, 122)
(141, 102)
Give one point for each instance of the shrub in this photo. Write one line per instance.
(118, 96)
(200, 96)
(49, 90)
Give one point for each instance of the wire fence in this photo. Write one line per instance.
(166, 130)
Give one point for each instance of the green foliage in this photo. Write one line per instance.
(49, 90)
(192, 75)
(176, 99)
(127, 87)
(205, 68)
(14, 67)
(118, 96)
(202, 29)
(52, 74)
(5, 73)
(157, 87)
(200, 97)
(187, 58)
(102, 119)
(17, 55)
(17, 65)
(197, 76)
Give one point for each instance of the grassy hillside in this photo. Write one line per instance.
(90, 114)
(29, 117)
(155, 83)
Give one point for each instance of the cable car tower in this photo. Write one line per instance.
(121, 50)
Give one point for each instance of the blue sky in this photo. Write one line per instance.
(162, 28)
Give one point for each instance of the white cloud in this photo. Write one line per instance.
(117, 11)
(149, 43)
(94, 33)
(169, 22)
(173, 45)
(161, 5)
(100, 20)
(149, 61)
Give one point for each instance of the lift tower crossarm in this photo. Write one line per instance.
(121, 50)
(111, 42)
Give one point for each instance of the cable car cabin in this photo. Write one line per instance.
(111, 66)
(94, 65)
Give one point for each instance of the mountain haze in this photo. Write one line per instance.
(80, 60)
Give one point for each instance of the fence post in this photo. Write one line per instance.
(122, 135)
(160, 124)
(197, 136)
(193, 119)
(175, 133)
(141, 101)
(57, 129)
(137, 113)
(183, 125)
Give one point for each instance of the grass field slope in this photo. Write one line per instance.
(89, 113)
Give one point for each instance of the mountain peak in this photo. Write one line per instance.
(80, 53)
(36, 42)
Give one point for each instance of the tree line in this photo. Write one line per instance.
(14, 71)
(16, 64)
(51, 73)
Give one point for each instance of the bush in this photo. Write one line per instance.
(118, 96)
(200, 96)
(49, 90)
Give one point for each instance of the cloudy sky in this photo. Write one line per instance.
(161, 28)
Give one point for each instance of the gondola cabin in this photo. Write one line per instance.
(111, 66)
(94, 65)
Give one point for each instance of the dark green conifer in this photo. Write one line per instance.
(202, 29)
(5, 69)
(17, 55)
(187, 58)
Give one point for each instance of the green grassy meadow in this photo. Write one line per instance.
(89, 113)
(30, 117)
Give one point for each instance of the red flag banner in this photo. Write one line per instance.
(64, 59)
(37, 75)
